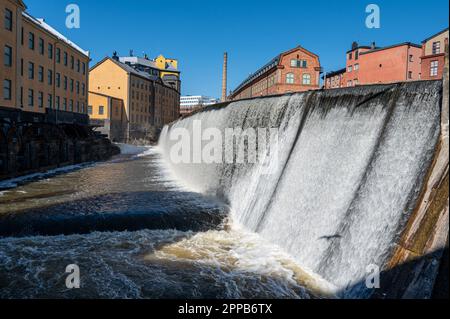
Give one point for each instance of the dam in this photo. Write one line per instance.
(354, 181)
(347, 175)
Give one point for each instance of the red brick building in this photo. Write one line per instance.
(433, 55)
(372, 65)
(335, 80)
(295, 70)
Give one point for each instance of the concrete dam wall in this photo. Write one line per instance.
(355, 178)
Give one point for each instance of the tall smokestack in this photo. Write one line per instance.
(224, 77)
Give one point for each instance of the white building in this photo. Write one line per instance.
(189, 102)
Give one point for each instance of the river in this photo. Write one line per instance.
(135, 232)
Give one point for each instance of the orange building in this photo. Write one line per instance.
(373, 65)
(42, 70)
(295, 70)
(433, 55)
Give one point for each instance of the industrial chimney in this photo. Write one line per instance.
(224, 77)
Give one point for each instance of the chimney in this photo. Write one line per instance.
(373, 45)
(224, 77)
(115, 57)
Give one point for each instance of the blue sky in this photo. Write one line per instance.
(252, 32)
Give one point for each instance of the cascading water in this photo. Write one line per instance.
(347, 171)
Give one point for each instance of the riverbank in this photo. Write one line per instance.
(41, 147)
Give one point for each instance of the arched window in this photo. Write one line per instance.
(306, 79)
(290, 78)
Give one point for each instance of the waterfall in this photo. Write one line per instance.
(339, 182)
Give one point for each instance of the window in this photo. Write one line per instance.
(8, 56)
(50, 101)
(50, 77)
(57, 101)
(58, 80)
(50, 51)
(349, 83)
(41, 46)
(7, 89)
(78, 106)
(65, 83)
(356, 67)
(71, 106)
(30, 97)
(78, 65)
(296, 63)
(411, 58)
(58, 55)
(78, 87)
(41, 74)
(89, 109)
(83, 89)
(31, 41)
(356, 55)
(71, 85)
(41, 100)
(410, 75)
(72, 62)
(101, 110)
(355, 82)
(65, 104)
(8, 19)
(306, 79)
(350, 56)
(350, 68)
(21, 96)
(30, 70)
(65, 58)
(290, 78)
(84, 68)
(434, 68)
(436, 47)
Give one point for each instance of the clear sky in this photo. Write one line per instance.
(197, 32)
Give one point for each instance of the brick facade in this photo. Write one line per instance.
(433, 55)
(296, 70)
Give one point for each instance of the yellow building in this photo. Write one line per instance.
(108, 114)
(42, 69)
(168, 66)
(148, 101)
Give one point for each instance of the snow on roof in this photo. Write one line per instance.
(50, 29)
(138, 60)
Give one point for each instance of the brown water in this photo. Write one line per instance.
(134, 233)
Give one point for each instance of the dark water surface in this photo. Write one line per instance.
(134, 233)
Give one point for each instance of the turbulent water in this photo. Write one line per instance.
(327, 198)
(134, 233)
(336, 189)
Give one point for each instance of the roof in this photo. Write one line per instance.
(268, 66)
(392, 46)
(360, 47)
(333, 73)
(105, 95)
(130, 70)
(43, 25)
(435, 35)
